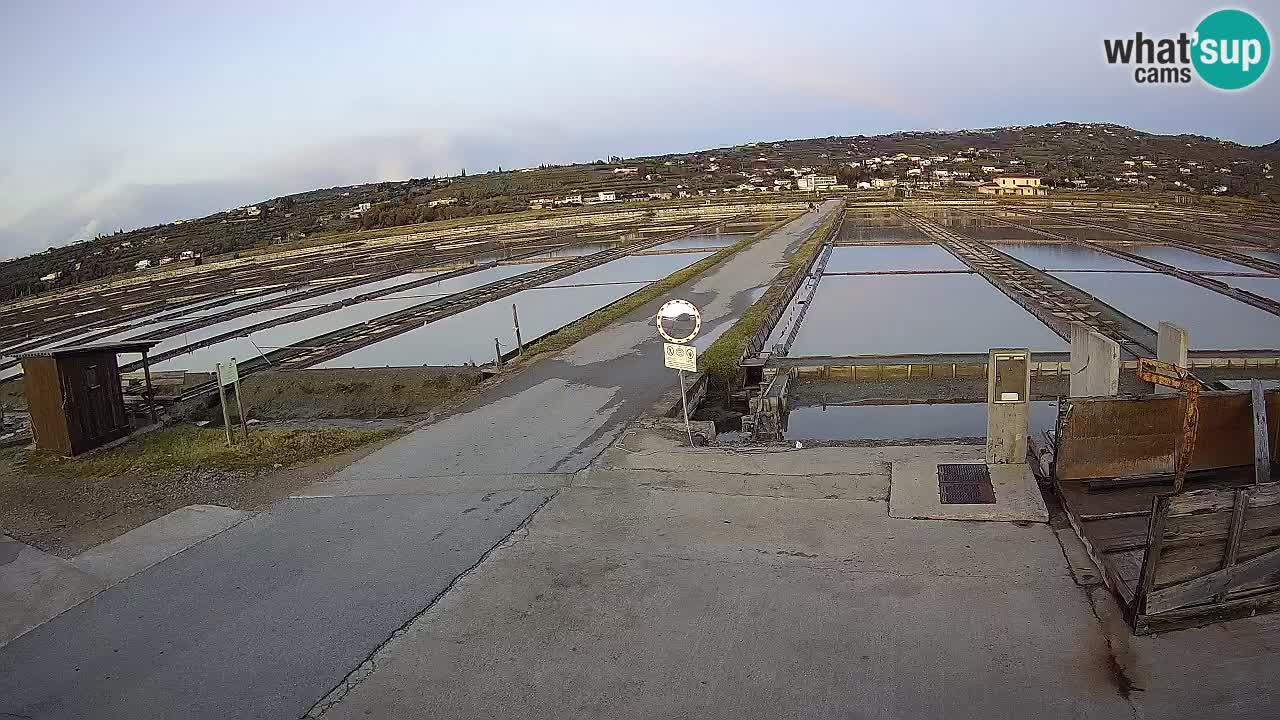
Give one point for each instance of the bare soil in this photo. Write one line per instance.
(68, 514)
(359, 393)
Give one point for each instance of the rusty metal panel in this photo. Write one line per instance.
(44, 403)
(1118, 437)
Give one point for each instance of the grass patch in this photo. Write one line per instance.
(602, 318)
(189, 448)
(353, 393)
(722, 358)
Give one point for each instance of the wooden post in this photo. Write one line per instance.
(1261, 444)
(497, 353)
(235, 386)
(244, 423)
(515, 320)
(222, 396)
(151, 393)
(684, 404)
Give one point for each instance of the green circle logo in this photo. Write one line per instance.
(1232, 49)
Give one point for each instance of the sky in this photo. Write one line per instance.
(131, 113)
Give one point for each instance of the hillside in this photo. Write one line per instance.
(1081, 156)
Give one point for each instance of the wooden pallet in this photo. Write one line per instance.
(1209, 553)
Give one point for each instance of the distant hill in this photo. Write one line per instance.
(1088, 155)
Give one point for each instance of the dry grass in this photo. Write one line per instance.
(190, 448)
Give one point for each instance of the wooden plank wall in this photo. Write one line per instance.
(44, 402)
(1216, 542)
(1127, 436)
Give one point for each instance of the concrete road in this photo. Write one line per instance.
(666, 583)
(266, 618)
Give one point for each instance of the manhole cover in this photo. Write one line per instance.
(965, 484)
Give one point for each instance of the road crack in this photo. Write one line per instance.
(370, 664)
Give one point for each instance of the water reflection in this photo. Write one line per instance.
(921, 421)
(1065, 256)
(899, 314)
(1186, 259)
(1213, 321)
(880, 258)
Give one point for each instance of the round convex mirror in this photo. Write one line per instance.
(679, 321)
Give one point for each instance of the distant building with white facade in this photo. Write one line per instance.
(816, 183)
(1021, 185)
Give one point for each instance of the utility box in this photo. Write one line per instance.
(74, 395)
(1008, 398)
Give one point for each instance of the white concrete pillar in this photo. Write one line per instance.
(1095, 363)
(1171, 347)
(1008, 398)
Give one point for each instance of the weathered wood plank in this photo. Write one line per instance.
(1200, 615)
(1261, 441)
(1202, 589)
(1216, 526)
(1184, 561)
(1127, 565)
(1223, 499)
(1091, 517)
(1237, 526)
(1151, 558)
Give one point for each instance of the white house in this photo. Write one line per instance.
(879, 183)
(625, 171)
(51, 276)
(142, 265)
(166, 260)
(817, 183)
(441, 202)
(187, 255)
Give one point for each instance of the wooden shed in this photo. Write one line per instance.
(74, 395)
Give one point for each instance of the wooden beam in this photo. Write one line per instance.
(1233, 535)
(1202, 589)
(1200, 615)
(1261, 444)
(1151, 558)
(1208, 500)
(151, 391)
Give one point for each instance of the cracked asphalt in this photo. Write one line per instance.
(266, 619)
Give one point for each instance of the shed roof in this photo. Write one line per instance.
(134, 346)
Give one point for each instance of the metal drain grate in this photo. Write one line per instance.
(965, 484)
